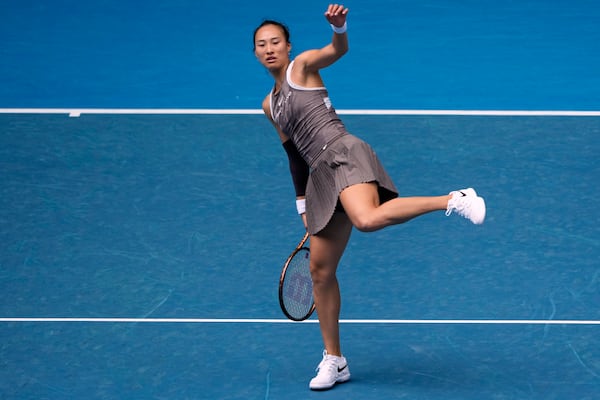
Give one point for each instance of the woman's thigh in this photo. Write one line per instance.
(360, 201)
(327, 247)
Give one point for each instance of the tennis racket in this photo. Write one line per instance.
(295, 284)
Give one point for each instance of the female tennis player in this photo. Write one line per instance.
(339, 181)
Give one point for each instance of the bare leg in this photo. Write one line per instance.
(326, 250)
(361, 203)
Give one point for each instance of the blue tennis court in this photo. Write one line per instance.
(143, 236)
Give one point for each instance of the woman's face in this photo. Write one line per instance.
(271, 47)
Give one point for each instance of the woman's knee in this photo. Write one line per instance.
(364, 222)
(322, 274)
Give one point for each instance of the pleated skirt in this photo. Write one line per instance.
(345, 162)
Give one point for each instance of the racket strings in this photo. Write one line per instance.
(297, 293)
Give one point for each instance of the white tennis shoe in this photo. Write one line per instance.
(467, 204)
(331, 370)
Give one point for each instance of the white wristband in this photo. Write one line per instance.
(340, 29)
(301, 206)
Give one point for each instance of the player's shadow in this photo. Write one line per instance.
(432, 374)
(446, 374)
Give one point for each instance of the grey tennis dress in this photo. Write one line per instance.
(336, 158)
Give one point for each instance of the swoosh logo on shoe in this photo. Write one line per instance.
(343, 368)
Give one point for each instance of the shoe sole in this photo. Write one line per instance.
(340, 380)
(478, 219)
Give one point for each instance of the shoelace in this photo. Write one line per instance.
(327, 364)
(459, 208)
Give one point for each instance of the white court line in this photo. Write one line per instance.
(310, 321)
(76, 112)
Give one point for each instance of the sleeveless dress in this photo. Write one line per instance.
(336, 158)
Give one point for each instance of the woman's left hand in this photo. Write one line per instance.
(336, 14)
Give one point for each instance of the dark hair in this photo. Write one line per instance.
(286, 31)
